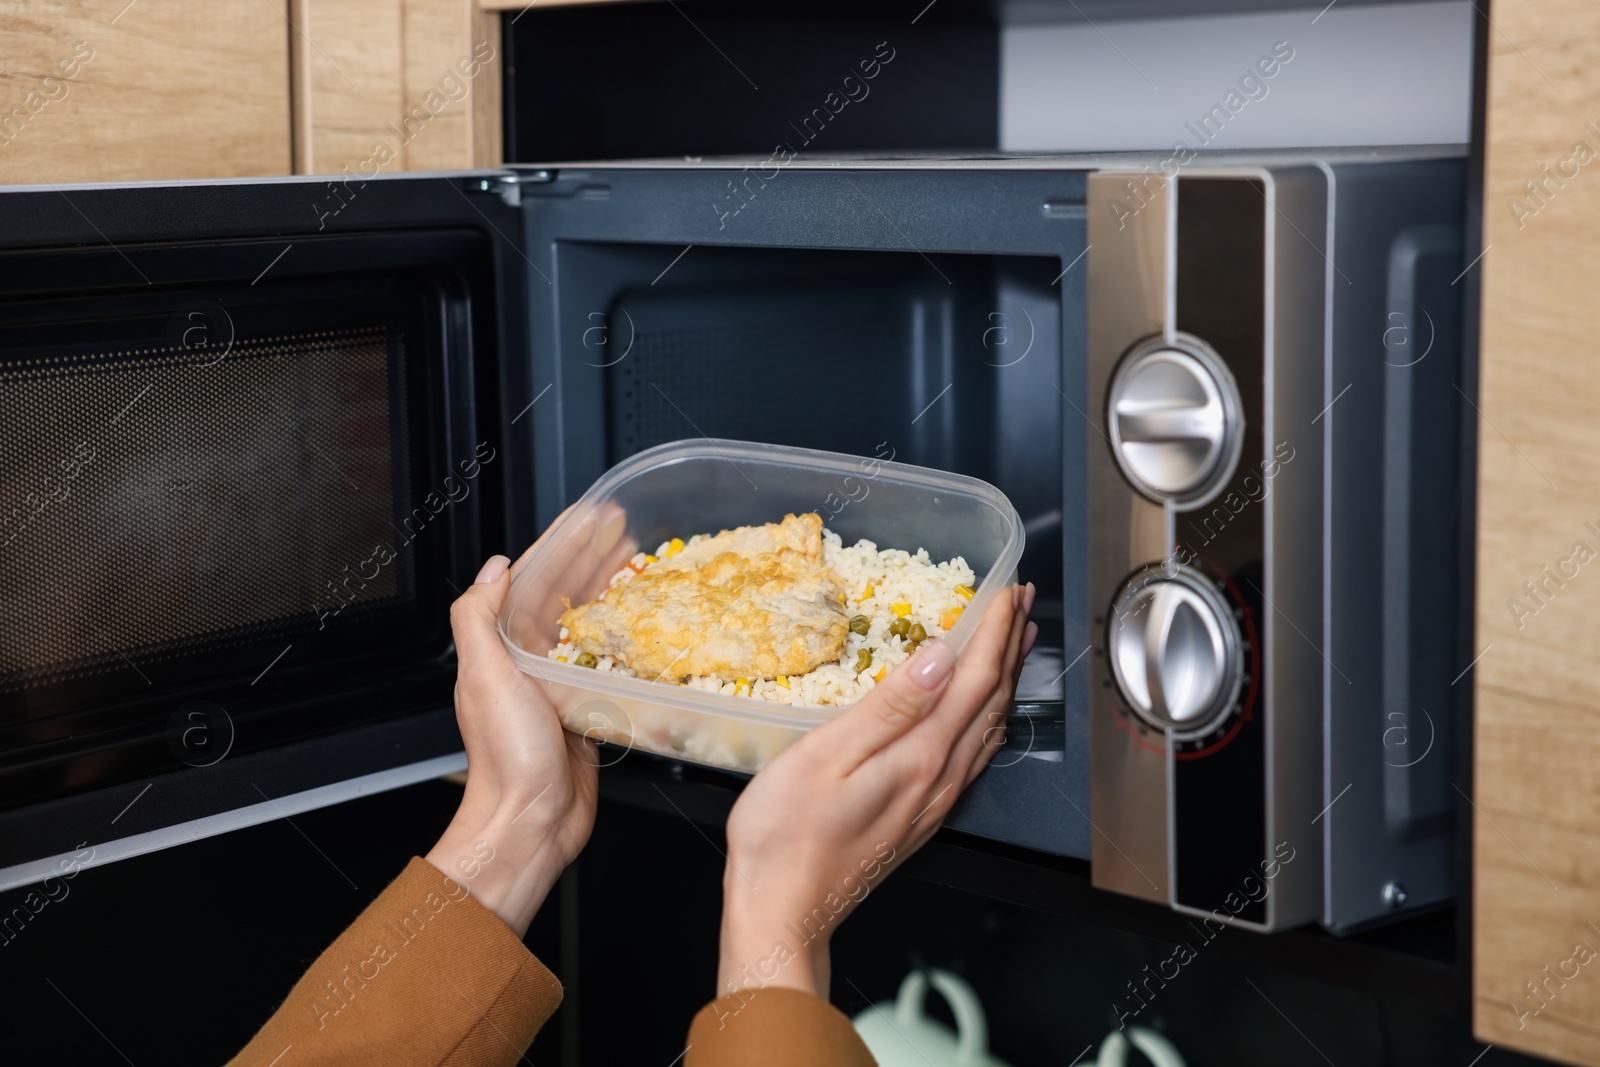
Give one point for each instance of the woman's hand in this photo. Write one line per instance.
(827, 820)
(531, 786)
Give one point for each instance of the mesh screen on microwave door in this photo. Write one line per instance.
(152, 504)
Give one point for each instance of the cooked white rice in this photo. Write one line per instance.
(880, 582)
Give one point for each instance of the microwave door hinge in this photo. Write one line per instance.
(508, 187)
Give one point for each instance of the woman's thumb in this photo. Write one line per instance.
(473, 617)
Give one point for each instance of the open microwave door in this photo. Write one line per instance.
(254, 443)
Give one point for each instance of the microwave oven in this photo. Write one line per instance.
(261, 432)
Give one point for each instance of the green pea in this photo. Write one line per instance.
(863, 660)
(860, 624)
(917, 633)
(587, 659)
(900, 627)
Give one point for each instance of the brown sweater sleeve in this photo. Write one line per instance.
(774, 1027)
(425, 976)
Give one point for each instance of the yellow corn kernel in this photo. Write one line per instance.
(964, 592)
(648, 558)
(674, 546)
(866, 594)
(783, 681)
(881, 672)
(561, 659)
(741, 683)
(949, 616)
(900, 609)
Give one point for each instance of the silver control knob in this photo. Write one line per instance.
(1176, 421)
(1175, 650)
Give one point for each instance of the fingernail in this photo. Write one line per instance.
(1030, 634)
(1027, 599)
(492, 570)
(930, 665)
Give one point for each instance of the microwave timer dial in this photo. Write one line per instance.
(1176, 651)
(1176, 421)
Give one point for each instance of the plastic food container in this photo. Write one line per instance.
(705, 485)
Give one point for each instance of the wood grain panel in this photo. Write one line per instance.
(392, 85)
(159, 89)
(348, 57)
(1536, 919)
(437, 120)
(488, 136)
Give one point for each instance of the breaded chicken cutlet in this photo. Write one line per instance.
(755, 602)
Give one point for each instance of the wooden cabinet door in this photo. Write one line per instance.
(119, 91)
(1536, 866)
(388, 85)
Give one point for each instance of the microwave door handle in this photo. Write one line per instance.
(1415, 275)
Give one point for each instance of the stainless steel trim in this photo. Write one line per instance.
(1295, 635)
(1291, 627)
(1129, 301)
(104, 852)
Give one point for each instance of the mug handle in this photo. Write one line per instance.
(1160, 1051)
(972, 1031)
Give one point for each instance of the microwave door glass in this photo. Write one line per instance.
(252, 449)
